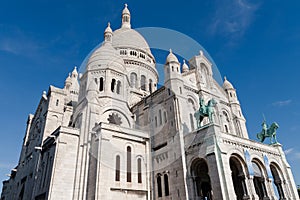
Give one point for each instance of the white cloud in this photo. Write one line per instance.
(288, 151)
(233, 17)
(282, 103)
(14, 40)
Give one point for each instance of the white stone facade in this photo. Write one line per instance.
(117, 136)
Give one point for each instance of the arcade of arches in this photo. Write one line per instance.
(202, 185)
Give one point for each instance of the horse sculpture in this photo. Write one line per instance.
(268, 132)
(205, 111)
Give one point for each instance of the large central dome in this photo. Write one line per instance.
(126, 37)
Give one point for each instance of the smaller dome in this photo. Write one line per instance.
(68, 80)
(227, 85)
(185, 67)
(108, 29)
(125, 10)
(171, 57)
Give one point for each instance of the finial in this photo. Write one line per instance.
(225, 78)
(183, 61)
(126, 5)
(170, 51)
(108, 24)
(201, 52)
(69, 74)
(44, 95)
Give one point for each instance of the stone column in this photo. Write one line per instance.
(252, 191)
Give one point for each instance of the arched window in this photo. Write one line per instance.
(202, 184)
(139, 167)
(172, 68)
(277, 182)
(166, 181)
(143, 82)
(128, 164)
(118, 87)
(192, 121)
(133, 80)
(159, 189)
(101, 86)
(259, 181)
(113, 83)
(238, 178)
(117, 177)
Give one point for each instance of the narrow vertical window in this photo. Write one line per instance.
(101, 86)
(150, 85)
(180, 90)
(133, 80)
(160, 117)
(139, 166)
(226, 129)
(57, 102)
(165, 117)
(117, 178)
(113, 82)
(128, 164)
(118, 87)
(143, 82)
(166, 180)
(155, 121)
(159, 190)
(192, 122)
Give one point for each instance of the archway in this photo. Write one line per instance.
(201, 179)
(277, 181)
(238, 178)
(259, 181)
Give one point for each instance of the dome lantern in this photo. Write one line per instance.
(108, 33)
(126, 17)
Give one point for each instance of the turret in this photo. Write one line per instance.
(173, 78)
(185, 67)
(231, 92)
(108, 33)
(126, 18)
(238, 118)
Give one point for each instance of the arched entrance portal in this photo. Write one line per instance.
(238, 178)
(259, 181)
(277, 181)
(201, 179)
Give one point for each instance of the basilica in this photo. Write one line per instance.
(112, 133)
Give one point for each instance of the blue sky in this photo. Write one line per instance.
(256, 44)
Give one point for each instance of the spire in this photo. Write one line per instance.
(74, 73)
(126, 17)
(108, 33)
